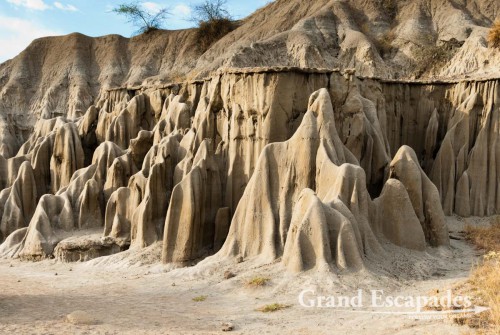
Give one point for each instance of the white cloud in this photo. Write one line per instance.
(30, 4)
(69, 8)
(152, 7)
(181, 10)
(16, 34)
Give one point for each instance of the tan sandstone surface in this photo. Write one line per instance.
(165, 163)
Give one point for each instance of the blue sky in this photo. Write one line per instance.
(21, 21)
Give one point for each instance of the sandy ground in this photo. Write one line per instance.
(35, 298)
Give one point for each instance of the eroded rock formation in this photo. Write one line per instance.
(264, 164)
(281, 216)
(466, 168)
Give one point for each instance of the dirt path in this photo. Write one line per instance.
(35, 298)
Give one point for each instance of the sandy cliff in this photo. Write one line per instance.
(295, 162)
(63, 76)
(260, 163)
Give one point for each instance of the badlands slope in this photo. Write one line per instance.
(251, 155)
(63, 76)
(292, 146)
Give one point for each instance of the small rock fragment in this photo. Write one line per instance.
(227, 327)
(229, 275)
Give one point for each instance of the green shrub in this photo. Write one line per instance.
(200, 298)
(272, 308)
(145, 21)
(257, 282)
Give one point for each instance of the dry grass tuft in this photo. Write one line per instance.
(210, 32)
(272, 308)
(486, 238)
(431, 57)
(494, 35)
(485, 287)
(200, 298)
(484, 283)
(257, 282)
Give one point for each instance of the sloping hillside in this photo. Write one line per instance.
(383, 38)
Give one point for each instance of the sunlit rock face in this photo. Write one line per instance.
(63, 76)
(297, 165)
